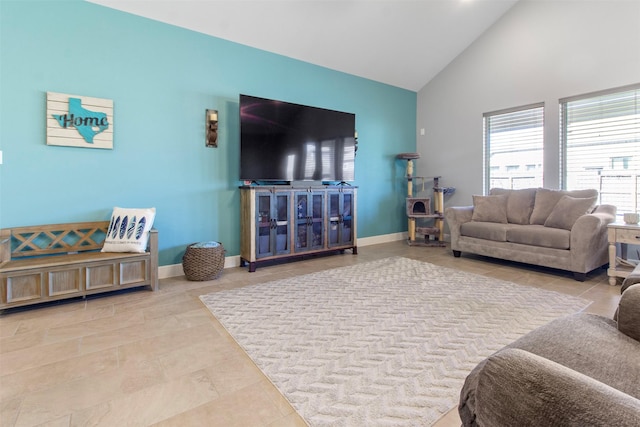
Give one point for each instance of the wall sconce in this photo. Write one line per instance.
(211, 123)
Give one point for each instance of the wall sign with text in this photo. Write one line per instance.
(79, 121)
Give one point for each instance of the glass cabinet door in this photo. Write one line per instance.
(282, 223)
(302, 221)
(317, 220)
(340, 218)
(272, 212)
(309, 222)
(263, 213)
(347, 218)
(334, 219)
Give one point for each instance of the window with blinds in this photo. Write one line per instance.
(513, 147)
(600, 145)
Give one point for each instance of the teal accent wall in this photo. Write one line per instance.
(161, 79)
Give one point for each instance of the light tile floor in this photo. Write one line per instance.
(160, 358)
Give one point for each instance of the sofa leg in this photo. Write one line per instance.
(580, 277)
(456, 254)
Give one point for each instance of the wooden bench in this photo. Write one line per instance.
(53, 262)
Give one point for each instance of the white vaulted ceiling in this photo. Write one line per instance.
(404, 43)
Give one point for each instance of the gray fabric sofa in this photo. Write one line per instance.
(550, 228)
(580, 370)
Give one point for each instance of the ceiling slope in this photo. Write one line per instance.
(403, 43)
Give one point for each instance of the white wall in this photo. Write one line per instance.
(540, 51)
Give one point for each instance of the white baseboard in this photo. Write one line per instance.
(383, 238)
(175, 270)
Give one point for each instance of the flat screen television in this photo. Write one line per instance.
(281, 141)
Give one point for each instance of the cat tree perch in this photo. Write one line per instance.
(420, 208)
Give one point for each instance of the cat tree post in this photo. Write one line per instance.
(438, 193)
(409, 157)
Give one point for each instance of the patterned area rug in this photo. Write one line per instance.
(384, 343)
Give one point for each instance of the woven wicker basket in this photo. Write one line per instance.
(203, 261)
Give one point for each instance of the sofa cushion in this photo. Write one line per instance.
(546, 200)
(485, 230)
(519, 203)
(538, 235)
(490, 209)
(567, 211)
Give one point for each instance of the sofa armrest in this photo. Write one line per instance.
(628, 314)
(455, 217)
(589, 244)
(458, 214)
(602, 216)
(520, 388)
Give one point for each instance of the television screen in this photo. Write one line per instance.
(281, 141)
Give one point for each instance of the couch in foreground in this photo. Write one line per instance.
(549, 228)
(580, 370)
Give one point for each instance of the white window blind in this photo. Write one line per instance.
(600, 143)
(513, 147)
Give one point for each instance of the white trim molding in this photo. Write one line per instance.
(175, 270)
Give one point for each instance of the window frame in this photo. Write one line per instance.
(486, 145)
(563, 136)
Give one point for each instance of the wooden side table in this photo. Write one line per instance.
(624, 234)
